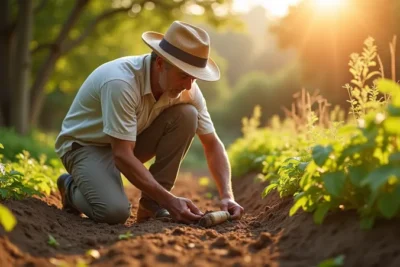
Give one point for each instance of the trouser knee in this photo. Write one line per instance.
(187, 118)
(112, 213)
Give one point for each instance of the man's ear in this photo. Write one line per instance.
(159, 63)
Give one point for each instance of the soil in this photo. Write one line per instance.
(265, 236)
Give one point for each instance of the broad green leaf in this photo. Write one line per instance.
(15, 173)
(302, 166)
(357, 174)
(320, 154)
(389, 203)
(388, 87)
(7, 219)
(391, 125)
(4, 193)
(366, 223)
(394, 158)
(320, 212)
(393, 110)
(380, 176)
(268, 189)
(299, 203)
(334, 182)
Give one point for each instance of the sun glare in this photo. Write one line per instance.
(328, 4)
(276, 8)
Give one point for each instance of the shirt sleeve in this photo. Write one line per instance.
(118, 105)
(205, 124)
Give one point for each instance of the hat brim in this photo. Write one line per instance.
(209, 73)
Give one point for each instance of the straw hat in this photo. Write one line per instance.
(186, 47)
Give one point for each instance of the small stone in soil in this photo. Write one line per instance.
(262, 242)
(171, 242)
(220, 242)
(234, 252)
(178, 231)
(211, 233)
(163, 257)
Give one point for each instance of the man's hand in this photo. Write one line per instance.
(228, 204)
(183, 210)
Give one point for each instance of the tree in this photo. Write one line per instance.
(60, 27)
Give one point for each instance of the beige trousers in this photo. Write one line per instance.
(97, 190)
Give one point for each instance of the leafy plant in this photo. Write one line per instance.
(334, 262)
(13, 185)
(125, 236)
(27, 177)
(52, 241)
(333, 165)
(363, 173)
(364, 96)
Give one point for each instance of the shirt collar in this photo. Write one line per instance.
(147, 85)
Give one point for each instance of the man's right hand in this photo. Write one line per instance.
(183, 210)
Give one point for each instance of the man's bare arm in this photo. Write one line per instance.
(135, 171)
(140, 177)
(219, 166)
(218, 163)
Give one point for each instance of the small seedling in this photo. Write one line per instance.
(52, 241)
(127, 235)
(333, 262)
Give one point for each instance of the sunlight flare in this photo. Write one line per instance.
(328, 4)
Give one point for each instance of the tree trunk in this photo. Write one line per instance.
(4, 63)
(20, 99)
(47, 68)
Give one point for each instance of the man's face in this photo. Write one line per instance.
(172, 80)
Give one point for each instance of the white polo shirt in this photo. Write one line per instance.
(116, 100)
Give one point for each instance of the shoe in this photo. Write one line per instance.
(150, 209)
(63, 182)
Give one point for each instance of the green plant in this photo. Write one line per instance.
(52, 241)
(333, 262)
(28, 177)
(346, 166)
(363, 173)
(125, 236)
(364, 96)
(13, 185)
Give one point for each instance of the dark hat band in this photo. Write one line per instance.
(182, 55)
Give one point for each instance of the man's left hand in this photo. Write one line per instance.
(228, 204)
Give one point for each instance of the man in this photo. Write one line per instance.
(134, 108)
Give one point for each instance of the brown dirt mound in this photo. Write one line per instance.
(265, 236)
